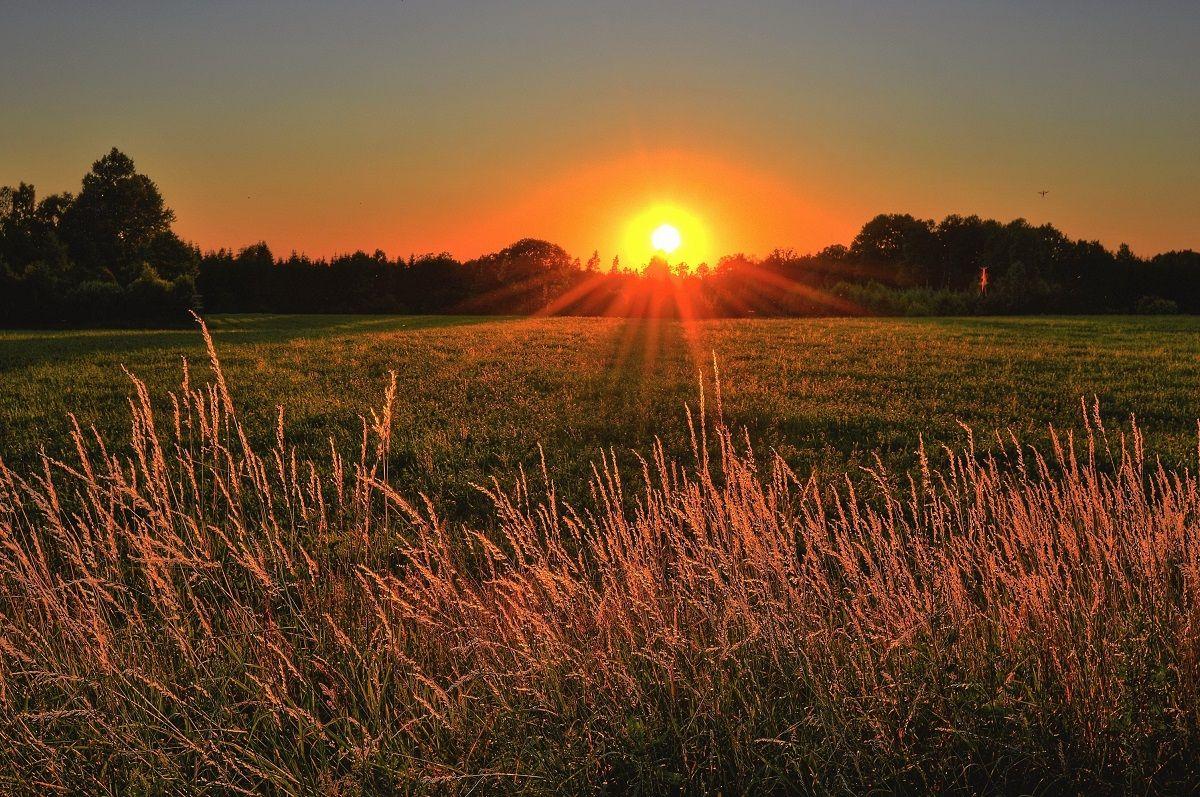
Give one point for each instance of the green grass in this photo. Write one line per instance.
(478, 394)
(208, 615)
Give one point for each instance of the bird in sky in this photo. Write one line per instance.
(1043, 193)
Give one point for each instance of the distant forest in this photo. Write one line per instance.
(108, 256)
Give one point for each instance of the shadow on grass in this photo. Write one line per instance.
(24, 347)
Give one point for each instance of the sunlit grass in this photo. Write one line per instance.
(196, 611)
(477, 396)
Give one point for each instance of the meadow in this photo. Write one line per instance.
(660, 599)
(476, 396)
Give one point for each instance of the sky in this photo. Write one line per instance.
(459, 125)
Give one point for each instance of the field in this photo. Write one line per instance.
(477, 396)
(198, 607)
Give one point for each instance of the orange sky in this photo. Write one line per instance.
(605, 202)
(614, 204)
(462, 126)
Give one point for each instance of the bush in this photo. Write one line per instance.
(95, 302)
(150, 298)
(1155, 305)
(875, 299)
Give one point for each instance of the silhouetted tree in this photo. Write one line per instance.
(116, 219)
(906, 244)
(521, 278)
(108, 255)
(105, 256)
(962, 248)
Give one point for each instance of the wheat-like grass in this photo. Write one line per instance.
(194, 616)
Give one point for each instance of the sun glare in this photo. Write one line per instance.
(665, 231)
(666, 238)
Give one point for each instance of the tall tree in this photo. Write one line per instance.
(117, 218)
(904, 244)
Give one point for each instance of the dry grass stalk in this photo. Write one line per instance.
(193, 616)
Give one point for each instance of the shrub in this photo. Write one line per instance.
(1155, 305)
(95, 302)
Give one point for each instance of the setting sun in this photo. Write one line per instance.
(666, 230)
(666, 238)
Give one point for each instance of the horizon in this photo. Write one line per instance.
(649, 218)
(639, 266)
(419, 128)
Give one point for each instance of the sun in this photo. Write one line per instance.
(664, 230)
(666, 238)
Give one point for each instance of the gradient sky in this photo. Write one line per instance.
(431, 125)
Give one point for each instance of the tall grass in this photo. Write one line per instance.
(191, 615)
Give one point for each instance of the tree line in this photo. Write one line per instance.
(108, 255)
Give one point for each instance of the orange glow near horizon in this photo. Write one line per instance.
(614, 205)
(610, 205)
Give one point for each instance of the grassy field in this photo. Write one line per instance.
(207, 611)
(476, 395)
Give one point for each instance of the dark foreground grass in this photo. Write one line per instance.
(477, 396)
(195, 612)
